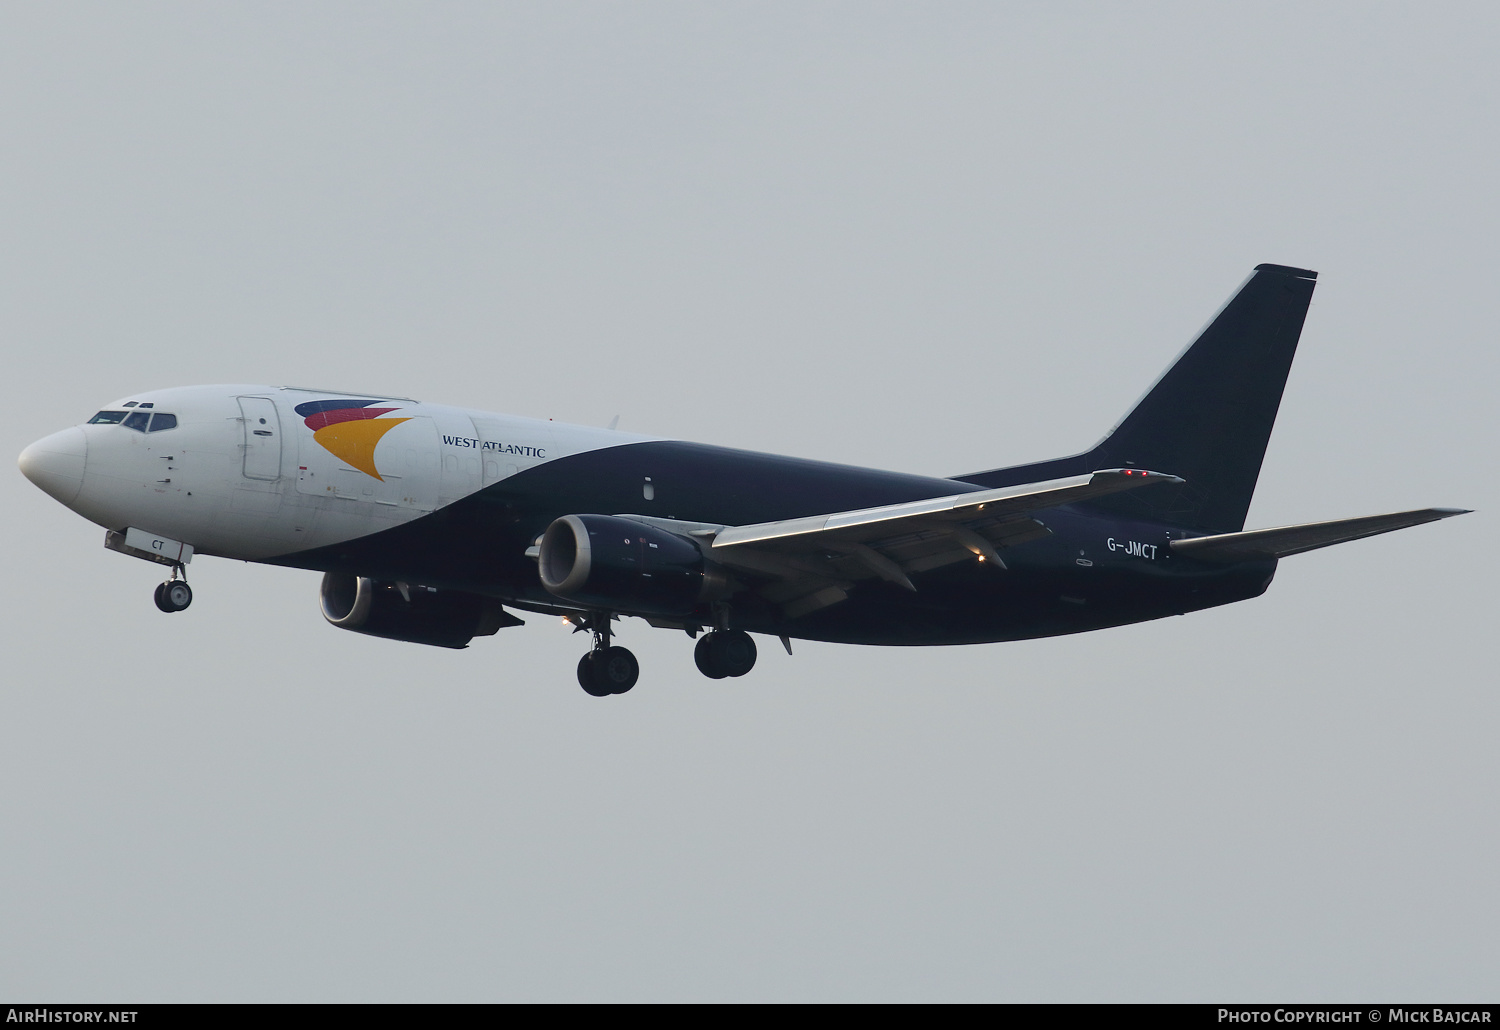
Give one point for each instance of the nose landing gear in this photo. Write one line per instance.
(174, 595)
(606, 669)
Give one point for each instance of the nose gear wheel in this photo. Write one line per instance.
(174, 595)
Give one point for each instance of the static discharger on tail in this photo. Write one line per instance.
(434, 524)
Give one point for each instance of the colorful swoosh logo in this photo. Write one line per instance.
(349, 430)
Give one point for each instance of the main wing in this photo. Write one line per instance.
(813, 562)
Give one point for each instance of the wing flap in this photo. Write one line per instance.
(814, 562)
(985, 506)
(1287, 540)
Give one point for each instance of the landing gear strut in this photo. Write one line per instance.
(725, 652)
(606, 669)
(174, 595)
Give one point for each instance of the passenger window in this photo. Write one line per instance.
(107, 418)
(161, 420)
(137, 420)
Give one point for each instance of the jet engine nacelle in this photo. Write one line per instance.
(417, 614)
(601, 561)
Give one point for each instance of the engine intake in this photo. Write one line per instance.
(442, 618)
(605, 561)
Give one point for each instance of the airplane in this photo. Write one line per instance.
(434, 524)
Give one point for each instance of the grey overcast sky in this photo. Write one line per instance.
(934, 237)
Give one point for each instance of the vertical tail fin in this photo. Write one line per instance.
(1208, 418)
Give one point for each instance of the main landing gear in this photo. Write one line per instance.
(606, 669)
(174, 595)
(725, 652)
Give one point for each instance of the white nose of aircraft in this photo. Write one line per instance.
(55, 463)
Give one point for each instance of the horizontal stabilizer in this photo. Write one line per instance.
(1278, 543)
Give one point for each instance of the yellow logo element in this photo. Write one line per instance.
(355, 441)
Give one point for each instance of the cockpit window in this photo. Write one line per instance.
(131, 404)
(136, 420)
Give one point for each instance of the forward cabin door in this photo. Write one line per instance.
(262, 438)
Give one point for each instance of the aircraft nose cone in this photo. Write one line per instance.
(55, 463)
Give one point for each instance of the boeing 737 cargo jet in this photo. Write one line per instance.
(429, 522)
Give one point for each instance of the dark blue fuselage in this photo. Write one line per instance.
(1095, 569)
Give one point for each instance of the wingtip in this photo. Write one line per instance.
(1146, 474)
